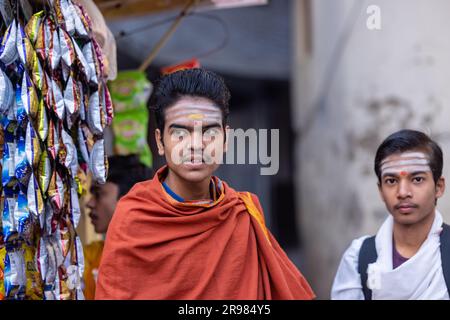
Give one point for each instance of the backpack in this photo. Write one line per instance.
(368, 254)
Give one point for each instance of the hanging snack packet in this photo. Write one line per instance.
(89, 56)
(7, 93)
(23, 169)
(70, 160)
(42, 121)
(15, 277)
(44, 172)
(55, 50)
(53, 139)
(9, 152)
(33, 290)
(57, 100)
(32, 146)
(98, 162)
(95, 116)
(85, 141)
(28, 97)
(35, 199)
(56, 193)
(33, 25)
(9, 228)
(23, 219)
(8, 50)
(71, 99)
(24, 46)
(67, 48)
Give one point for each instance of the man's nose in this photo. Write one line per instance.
(404, 189)
(91, 203)
(197, 140)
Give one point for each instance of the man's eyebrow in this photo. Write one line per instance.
(392, 174)
(179, 126)
(204, 127)
(212, 125)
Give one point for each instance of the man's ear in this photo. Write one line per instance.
(440, 187)
(159, 142)
(227, 135)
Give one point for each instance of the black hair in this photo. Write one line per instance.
(406, 140)
(191, 82)
(126, 171)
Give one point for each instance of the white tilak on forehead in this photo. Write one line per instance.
(407, 162)
(197, 112)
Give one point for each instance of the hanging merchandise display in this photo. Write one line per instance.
(54, 108)
(130, 92)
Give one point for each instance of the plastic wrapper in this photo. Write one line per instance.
(74, 269)
(22, 167)
(23, 219)
(84, 100)
(74, 204)
(33, 25)
(108, 104)
(81, 29)
(9, 228)
(21, 112)
(44, 171)
(37, 73)
(33, 289)
(69, 158)
(55, 50)
(35, 200)
(8, 50)
(82, 63)
(42, 44)
(98, 162)
(28, 97)
(89, 56)
(67, 48)
(7, 93)
(25, 49)
(71, 100)
(95, 114)
(32, 146)
(2, 274)
(57, 100)
(42, 121)
(67, 13)
(9, 152)
(15, 276)
(85, 142)
(53, 139)
(56, 193)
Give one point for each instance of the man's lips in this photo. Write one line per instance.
(405, 207)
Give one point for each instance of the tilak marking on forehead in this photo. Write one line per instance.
(196, 116)
(406, 163)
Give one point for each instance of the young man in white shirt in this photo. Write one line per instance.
(409, 256)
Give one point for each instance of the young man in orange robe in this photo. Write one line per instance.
(186, 234)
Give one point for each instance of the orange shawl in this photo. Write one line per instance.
(158, 248)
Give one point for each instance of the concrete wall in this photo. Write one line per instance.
(351, 88)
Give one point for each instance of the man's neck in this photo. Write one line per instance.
(188, 190)
(409, 238)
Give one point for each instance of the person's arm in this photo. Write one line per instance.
(347, 283)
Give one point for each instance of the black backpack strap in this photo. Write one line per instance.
(445, 254)
(367, 255)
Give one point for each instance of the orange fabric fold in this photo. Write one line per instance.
(158, 248)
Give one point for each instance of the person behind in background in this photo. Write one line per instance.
(124, 172)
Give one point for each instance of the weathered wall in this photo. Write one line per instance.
(349, 93)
